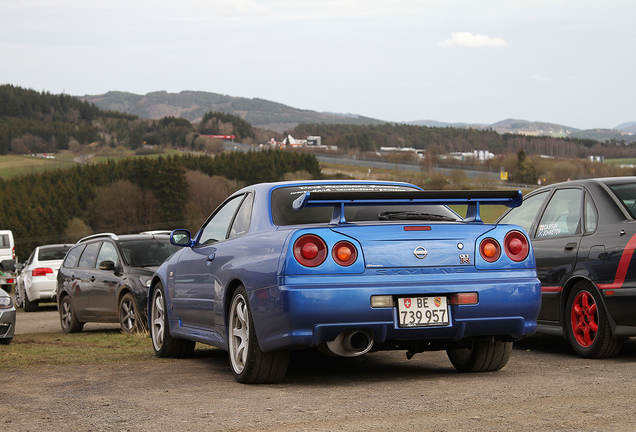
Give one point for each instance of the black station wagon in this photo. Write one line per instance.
(105, 278)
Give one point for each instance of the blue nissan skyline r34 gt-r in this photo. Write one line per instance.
(350, 267)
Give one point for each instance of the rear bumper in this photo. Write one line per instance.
(291, 315)
(43, 289)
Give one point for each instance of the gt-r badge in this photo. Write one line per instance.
(464, 259)
(420, 252)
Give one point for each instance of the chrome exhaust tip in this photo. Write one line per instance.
(351, 343)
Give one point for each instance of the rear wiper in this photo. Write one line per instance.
(406, 215)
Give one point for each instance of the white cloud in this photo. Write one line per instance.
(541, 79)
(469, 40)
(235, 8)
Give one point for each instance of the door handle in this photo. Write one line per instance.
(570, 247)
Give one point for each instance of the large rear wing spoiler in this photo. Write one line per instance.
(473, 199)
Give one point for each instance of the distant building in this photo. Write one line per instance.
(418, 152)
(314, 140)
(600, 159)
(481, 155)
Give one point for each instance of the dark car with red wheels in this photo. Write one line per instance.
(584, 234)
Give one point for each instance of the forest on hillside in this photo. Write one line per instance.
(437, 140)
(134, 194)
(33, 122)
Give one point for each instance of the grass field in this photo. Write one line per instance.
(56, 349)
(11, 166)
(88, 347)
(624, 161)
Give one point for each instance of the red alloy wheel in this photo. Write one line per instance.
(584, 319)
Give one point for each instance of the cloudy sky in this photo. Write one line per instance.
(560, 61)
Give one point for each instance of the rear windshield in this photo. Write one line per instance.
(52, 253)
(147, 253)
(284, 214)
(627, 194)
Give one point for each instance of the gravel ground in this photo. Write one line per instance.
(47, 319)
(543, 387)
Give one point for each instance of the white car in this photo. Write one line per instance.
(37, 278)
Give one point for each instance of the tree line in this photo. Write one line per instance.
(444, 140)
(133, 195)
(36, 122)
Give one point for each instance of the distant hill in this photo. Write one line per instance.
(193, 105)
(435, 123)
(629, 127)
(625, 131)
(605, 135)
(515, 126)
(531, 128)
(264, 114)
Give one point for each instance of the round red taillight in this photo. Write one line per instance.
(489, 250)
(516, 246)
(310, 250)
(344, 253)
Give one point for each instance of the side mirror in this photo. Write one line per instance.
(107, 265)
(181, 237)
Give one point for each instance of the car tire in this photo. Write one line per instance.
(483, 355)
(28, 305)
(587, 325)
(130, 319)
(68, 318)
(5, 341)
(249, 364)
(162, 341)
(19, 297)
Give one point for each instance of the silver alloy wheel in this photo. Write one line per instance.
(157, 319)
(127, 314)
(19, 298)
(67, 314)
(239, 333)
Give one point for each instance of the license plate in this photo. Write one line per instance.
(423, 312)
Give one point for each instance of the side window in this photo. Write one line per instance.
(30, 260)
(242, 221)
(4, 241)
(73, 256)
(562, 216)
(87, 260)
(107, 253)
(216, 229)
(525, 214)
(591, 215)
